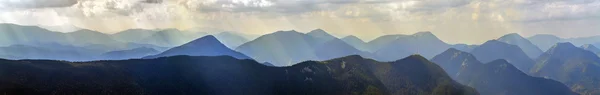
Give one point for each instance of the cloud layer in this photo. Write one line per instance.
(452, 20)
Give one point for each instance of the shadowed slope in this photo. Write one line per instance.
(226, 76)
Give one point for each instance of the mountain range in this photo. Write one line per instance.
(90, 45)
(146, 61)
(223, 75)
(573, 66)
(494, 50)
(546, 41)
(497, 77)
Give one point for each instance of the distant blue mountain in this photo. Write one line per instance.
(231, 40)
(591, 48)
(382, 41)
(11, 34)
(89, 37)
(399, 46)
(494, 50)
(34, 52)
(282, 48)
(87, 42)
(515, 39)
(544, 41)
(170, 38)
(464, 47)
(497, 77)
(129, 54)
(320, 36)
(356, 42)
(335, 48)
(573, 66)
(205, 46)
(133, 35)
(285, 48)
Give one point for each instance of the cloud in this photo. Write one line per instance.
(352, 16)
(36, 3)
(274, 6)
(562, 10)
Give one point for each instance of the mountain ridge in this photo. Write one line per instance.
(189, 75)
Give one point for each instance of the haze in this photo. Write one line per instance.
(453, 21)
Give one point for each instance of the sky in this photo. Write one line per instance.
(454, 21)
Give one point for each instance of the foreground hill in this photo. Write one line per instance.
(576, 67)
(205, 46)
(497, 77)
(227, 75)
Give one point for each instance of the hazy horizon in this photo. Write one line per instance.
(454, 21)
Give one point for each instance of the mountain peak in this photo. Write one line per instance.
(286, 32)
(493, 42)
(587, 46)
(545, 36)
(590, 47)
(453, 50)
(85, 31)
(352, 38)
(564, 45)
(352, 57)
(529, 48)
(424, 33)
(454, 53)
(171, 29)
(502, 65)
(205, 46)
(512, 36)
(498, 62)
(416, 57)
(319, 33)
(207, 38)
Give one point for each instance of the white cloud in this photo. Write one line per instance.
(263, 16)
(35, 3)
